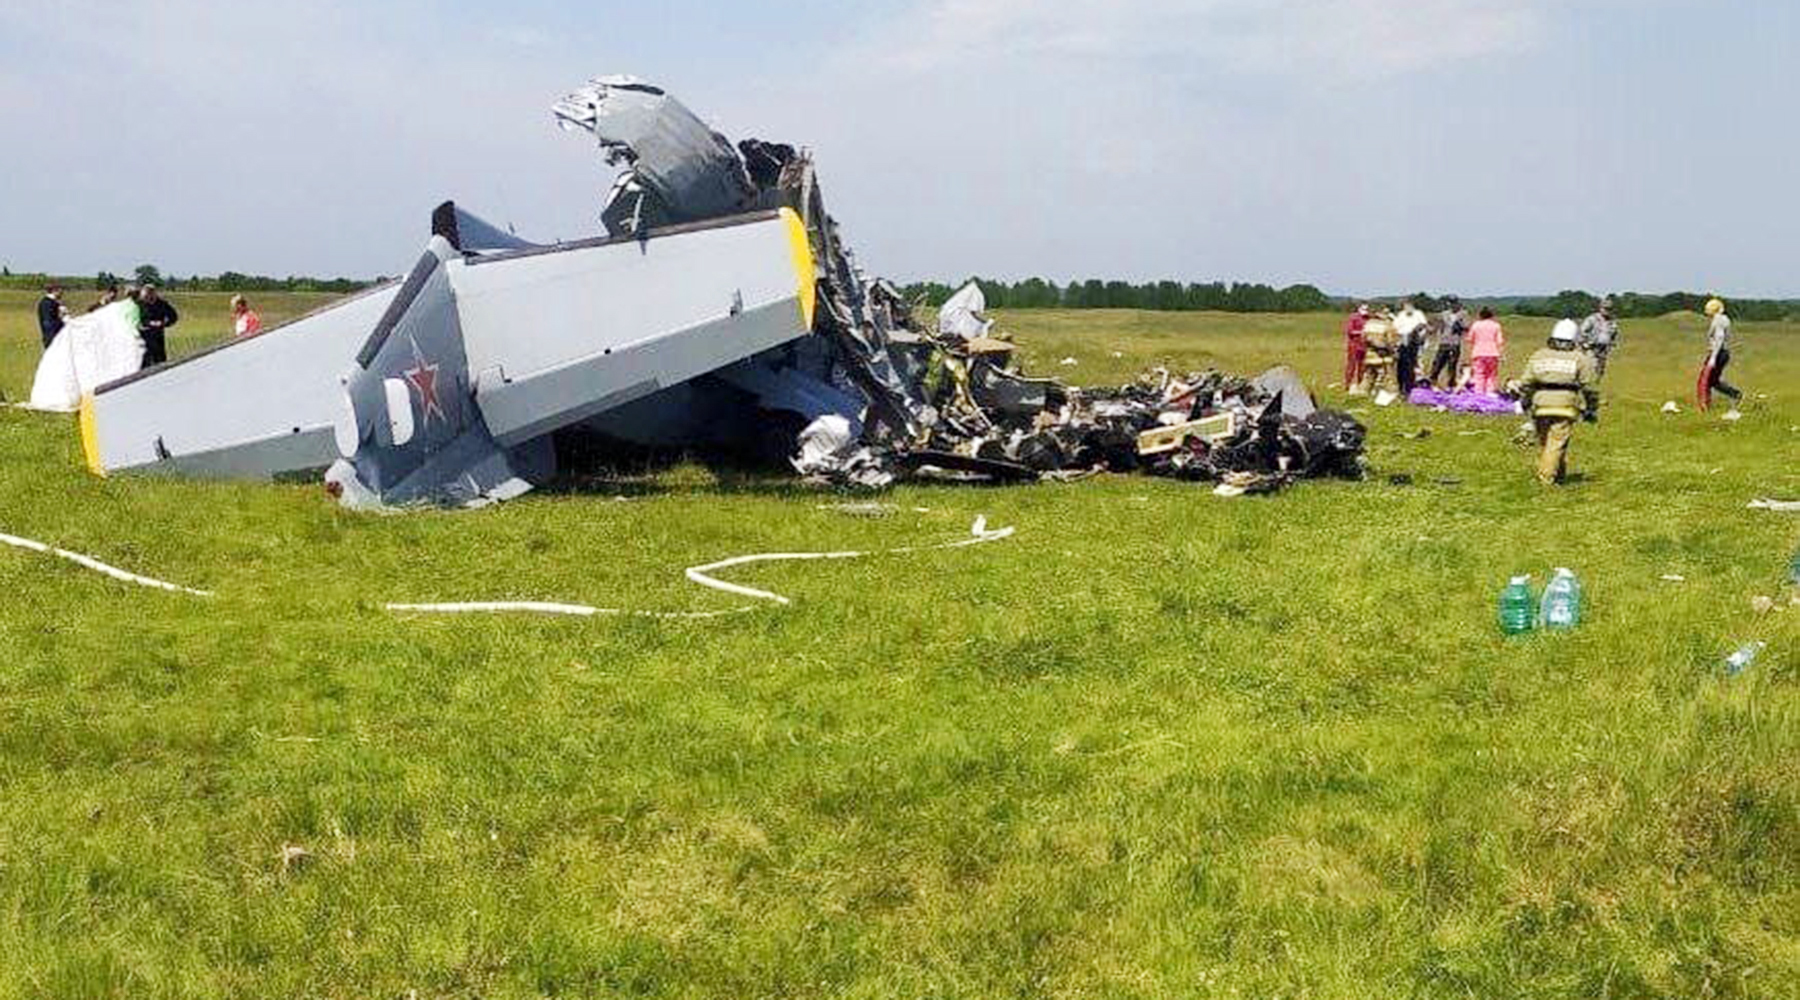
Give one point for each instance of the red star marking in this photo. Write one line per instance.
(423, 376)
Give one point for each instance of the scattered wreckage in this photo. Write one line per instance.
(721, 312)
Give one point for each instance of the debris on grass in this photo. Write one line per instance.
(1740, 661)
(861, 510)
(293, 857)
(979, 533)
(88, 562)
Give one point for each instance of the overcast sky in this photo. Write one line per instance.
(1362, 145)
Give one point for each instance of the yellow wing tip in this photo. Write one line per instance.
(90, 436)
(806, 273)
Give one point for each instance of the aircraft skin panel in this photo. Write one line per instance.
(281, 382)
(538, 313)
(90, 437)
(806, 271)
(308, 451)
(576, 390)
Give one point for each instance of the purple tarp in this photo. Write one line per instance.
(1463, 401)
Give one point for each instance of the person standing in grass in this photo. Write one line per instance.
(1560, 386)
(1718, 355)
(244, 320)
(1381, 338)
(1453, 325)
(51, 313)
(107, 297)
(1487, 345)
(155, 316)
(1409, 324)
(1600, 334)
(1356, 347)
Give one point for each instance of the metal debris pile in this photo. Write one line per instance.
(877, 397)
(1253, 435)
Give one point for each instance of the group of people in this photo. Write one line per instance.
(1559, 385)
(152, 314)
(1386, 347)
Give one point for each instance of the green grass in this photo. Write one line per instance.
(1158, 744)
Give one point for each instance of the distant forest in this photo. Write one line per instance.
(1167, 296)
(1037, 293)
(1217, 296)
(230, 281)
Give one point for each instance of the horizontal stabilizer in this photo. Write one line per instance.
(471, 233)
(439, 388)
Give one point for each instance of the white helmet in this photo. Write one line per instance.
(1565, 332)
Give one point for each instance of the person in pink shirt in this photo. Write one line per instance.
(244, 320)
(1487, 345)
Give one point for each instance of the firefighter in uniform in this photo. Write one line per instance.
(1383, 340)
(1561, 386)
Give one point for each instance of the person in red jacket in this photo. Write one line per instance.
(1356, 347)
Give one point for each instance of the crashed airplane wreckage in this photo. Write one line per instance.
(720, 311)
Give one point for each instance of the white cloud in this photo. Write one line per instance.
(1285, 37)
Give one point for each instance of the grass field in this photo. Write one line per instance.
(1157, 744)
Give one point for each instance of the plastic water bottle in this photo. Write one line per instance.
(1562, 601)
(1740, 661)
(1518, 610)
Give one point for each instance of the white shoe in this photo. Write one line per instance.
(1732, 414)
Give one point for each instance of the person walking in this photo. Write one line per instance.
(1600, 334)
(1487, 345)
(1718, 355)
(1356, 348)
(1409, 325)
(155, 316)
(244, 320)
(1560, 386)
(1453, 326)
(50, 313)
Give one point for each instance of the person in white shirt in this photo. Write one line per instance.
(1718, 355)
(1409, 324)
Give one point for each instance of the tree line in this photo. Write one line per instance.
(1245, 297)
(1164, 296)
(229, 281)
(1636, 305)
(1038, 293)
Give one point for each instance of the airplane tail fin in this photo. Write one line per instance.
(411, 431)
(470, 233)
